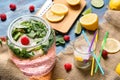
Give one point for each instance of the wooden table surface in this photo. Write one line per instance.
(22, 9)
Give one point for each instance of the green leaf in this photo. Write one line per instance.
(16, 37)
(0, 42)
(59, 40)
(26, 24)
(32, 34)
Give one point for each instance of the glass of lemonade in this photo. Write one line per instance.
(31, 41)
(82, 58)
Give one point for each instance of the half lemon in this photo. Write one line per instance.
(89, 21)
(112, 45)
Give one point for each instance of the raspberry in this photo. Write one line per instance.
(12, 6)
(31, 8)
(104, 54)
(67, 67)
(3, 17)
(25, 40)
(3, 38)
(66, 37)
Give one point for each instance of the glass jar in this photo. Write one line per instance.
(82, 58)
(31, 41)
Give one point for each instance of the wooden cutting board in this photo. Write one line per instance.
(74, 11)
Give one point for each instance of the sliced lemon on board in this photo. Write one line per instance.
(73, 2)
(59, 9)
(89, 21)
(112, 45)
(53, 17)
(78, 28)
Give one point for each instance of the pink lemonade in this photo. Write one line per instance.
(32, 45)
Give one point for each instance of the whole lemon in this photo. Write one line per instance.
(114, 4)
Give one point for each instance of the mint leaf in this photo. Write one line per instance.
(59, 40)
(0, 42)
(32, 34)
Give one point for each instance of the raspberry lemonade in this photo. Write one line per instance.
(32, 45)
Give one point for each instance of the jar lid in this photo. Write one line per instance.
(24, 18)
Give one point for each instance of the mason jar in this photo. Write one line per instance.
(31, 43)
(82, 58)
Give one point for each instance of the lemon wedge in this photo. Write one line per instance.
(112, 45)
(53, 17)
(59, 9)
(78, 58)
(89, 21)
(78, 28)
(87, 11)
(73, 2)
(118, 69)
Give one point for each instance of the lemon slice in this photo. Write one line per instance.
(59, 9)
(53, 17)
(89, 21)
(73, 2)
(118, 69)
(97, 3)
(78, 28)
(112, 45)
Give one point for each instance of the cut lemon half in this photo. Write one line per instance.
(112, 45)
(73, 2)
(89, 21)
(53, 17)
(59, 9)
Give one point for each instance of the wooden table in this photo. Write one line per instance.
(22, 9)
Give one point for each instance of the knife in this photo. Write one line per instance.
(44, 8)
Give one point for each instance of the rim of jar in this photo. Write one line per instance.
(27, 17)
(80, 51)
